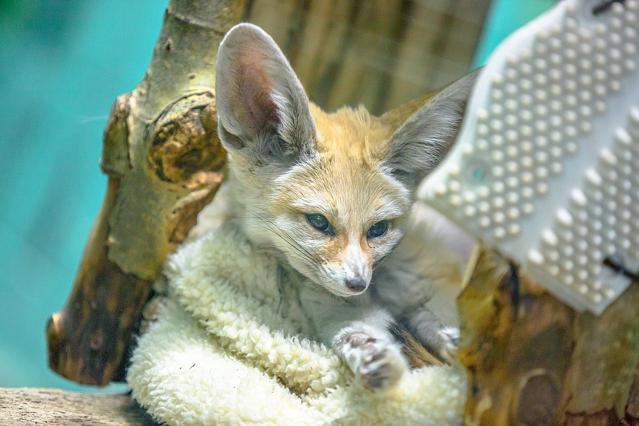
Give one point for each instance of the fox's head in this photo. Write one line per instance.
(330, 192)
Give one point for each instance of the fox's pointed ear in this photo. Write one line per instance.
(422, 141)
(262, 108)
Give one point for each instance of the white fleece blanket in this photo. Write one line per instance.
(224, 350)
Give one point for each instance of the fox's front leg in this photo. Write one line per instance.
(442, 340)
(357, 329)
(373, 356)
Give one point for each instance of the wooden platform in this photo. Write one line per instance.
(29, 406)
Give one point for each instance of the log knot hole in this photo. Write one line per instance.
(185, 148)
(95, 342)
(538, 400)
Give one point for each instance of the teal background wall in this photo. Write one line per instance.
(62, 63)
(504, 17)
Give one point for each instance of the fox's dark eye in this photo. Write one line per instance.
(377, 230)
(319, 222)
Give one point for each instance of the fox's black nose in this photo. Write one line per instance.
(356, 284)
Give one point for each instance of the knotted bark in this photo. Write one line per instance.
(164, 162)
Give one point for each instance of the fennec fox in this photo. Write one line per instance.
(332, 196)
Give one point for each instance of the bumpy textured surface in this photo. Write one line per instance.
(546, 168)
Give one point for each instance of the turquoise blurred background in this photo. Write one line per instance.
(62, 63)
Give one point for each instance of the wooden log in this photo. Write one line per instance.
(367, 57)
(632, 409)
(437, 46)
(376, 53)
(532, 360)
(25, 406)
(164, 163)
(305, 45)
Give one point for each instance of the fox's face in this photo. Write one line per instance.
(330, 192)
(338, 212)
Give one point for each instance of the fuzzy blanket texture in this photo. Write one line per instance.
(228, 347)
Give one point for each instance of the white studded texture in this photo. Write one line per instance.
(546, 168)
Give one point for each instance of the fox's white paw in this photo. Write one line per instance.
(382, 365)
(449, 343)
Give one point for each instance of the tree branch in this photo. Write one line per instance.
(164, 163)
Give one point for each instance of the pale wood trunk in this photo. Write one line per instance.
(164, 163)
(379, 53)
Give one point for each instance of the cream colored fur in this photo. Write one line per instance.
(228, 349)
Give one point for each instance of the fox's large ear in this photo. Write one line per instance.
(262, 109)
(422, 141)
